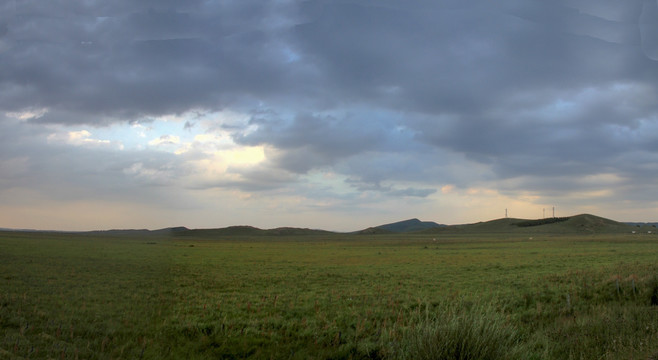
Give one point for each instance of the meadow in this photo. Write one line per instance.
(331, 296)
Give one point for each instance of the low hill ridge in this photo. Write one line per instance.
(373, 231)
(405, 226)
(245, 230)
(577, 224)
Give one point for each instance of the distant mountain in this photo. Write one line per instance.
(373, 231)
(240, 230)
(405, 226)
(227, 231)
(243, 230)
(296, 231)
(578, 224)
(118, 232)
(642, 224)
(121, 232)
(171, 230)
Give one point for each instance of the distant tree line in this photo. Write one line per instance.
(538, 222)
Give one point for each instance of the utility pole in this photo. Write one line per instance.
(553, 211)
(543, 213)
(505, 212)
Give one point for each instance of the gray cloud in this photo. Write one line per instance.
(438, 58)
(128, 61)
(400, 99)
(60, 171)
(309, 141)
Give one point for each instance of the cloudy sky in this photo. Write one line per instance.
(325, 114)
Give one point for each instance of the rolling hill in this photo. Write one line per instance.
(243, 230)
(141, 232)
(571, 225)
(405, 226)
(578, 224)
(373, 231)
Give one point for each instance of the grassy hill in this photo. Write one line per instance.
(374, 231)
(137, 232)
(578, 224)
(405, 226)
(243, 230)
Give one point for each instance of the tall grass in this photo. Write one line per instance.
(460, 332)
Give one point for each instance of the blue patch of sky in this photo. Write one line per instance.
(138, 135)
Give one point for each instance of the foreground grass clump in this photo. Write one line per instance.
(460, 332)
(69, 296)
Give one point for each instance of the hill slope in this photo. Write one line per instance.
(243, 230)
(405, 226)
(140, 232)
(578, 224)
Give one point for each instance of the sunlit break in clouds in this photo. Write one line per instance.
(323, 114)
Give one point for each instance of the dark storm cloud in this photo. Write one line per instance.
(588, 132)
(123, 61)
(439, 58)
(526, 88)
(487, 80)
(485, 76)
(162, 57)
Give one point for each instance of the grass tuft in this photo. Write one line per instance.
(461, 332)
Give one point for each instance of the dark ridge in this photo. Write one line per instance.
(227, 231)
(578, 224)
(374, 231)
(141, 232)
(411, 225)
(171, 230)
(119, 232)
(296, 231)
(641, 224)
(243, 230)
(538, 222)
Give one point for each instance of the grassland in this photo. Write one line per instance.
(328, 296)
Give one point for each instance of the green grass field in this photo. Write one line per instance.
(76, 296)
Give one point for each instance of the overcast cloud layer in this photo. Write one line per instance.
(326, 114)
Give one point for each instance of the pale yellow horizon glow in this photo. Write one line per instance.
(214, 208)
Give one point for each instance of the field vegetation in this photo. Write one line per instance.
(328, 296)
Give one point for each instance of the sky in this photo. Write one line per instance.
(336, 115)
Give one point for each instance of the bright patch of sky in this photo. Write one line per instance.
(174, 134)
